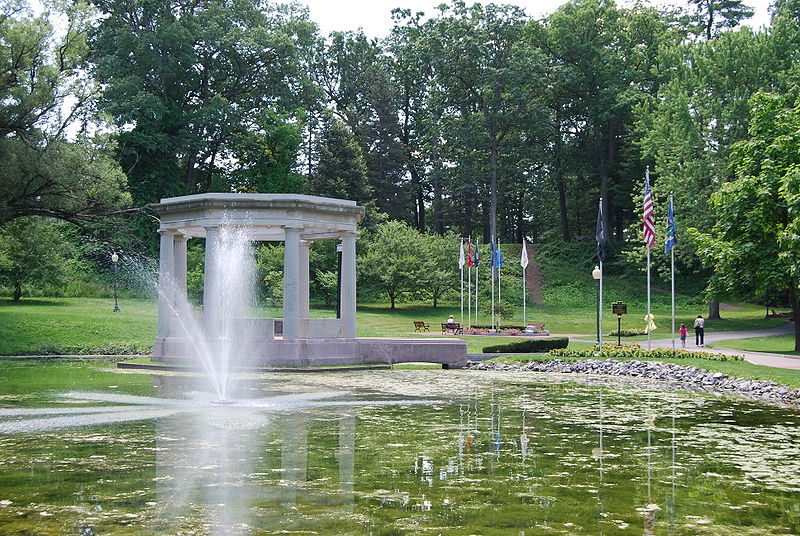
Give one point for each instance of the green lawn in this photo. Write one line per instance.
(88, 325)
(781, 344)
(83, 325)
(75, 325)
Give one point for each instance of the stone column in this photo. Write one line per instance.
(180, 265)
(348, 297)
(211, 283)
(166, 283)
(304, 278)
(291, 283)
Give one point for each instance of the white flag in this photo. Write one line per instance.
(524, 260)
(461, 260)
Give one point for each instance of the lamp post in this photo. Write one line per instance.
(114, 260)
(596, 273)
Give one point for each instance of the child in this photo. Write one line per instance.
(683, 335)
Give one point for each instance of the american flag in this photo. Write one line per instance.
(647, 214)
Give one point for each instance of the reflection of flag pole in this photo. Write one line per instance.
(523, 261)
(461, 262)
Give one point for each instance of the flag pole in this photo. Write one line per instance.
(649, 318)
(672, 271)
(498, 264)
(600, 237)
(469, 283)
(461, 266)
(600, 316)
(649, 331)
(524, 263)
(477, 256)
(491, 267)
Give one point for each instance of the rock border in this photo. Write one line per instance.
(766, 390)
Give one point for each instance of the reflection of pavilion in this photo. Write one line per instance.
(217, 466)
(296, 339)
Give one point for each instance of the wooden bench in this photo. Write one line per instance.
(452, 327)
(421, 326)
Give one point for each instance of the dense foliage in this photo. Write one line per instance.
(468, 121)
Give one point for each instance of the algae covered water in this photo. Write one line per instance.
(91, 450)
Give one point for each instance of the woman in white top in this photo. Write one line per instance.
(699, 329)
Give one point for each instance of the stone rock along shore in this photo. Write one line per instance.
(707, 380)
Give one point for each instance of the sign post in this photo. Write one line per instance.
(619, 308)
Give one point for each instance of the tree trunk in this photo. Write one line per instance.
(438, 207)
(713, 310)
(795, 311)
(391, 300)
(493, 185)
(420, 210)
(562, 206)
(17, 291)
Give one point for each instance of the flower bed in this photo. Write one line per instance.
(514, 332)
(634, 351)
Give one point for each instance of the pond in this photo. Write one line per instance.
(87, 449)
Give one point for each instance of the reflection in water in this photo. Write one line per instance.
(503, 455)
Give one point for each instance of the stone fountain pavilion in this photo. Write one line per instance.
(295, 340)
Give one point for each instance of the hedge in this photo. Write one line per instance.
(532, 346)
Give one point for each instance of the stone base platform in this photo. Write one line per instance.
(451, 353)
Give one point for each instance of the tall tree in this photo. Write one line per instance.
(710, 17)
(353, 71)
(700, 111)
(491, 79)
(754, 244)
(44, 91)
(32, 252)
(341, 169)
(186, 81)
(602, 62)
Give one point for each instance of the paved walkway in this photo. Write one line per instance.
(758, 358)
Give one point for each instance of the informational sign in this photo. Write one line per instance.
(619, 308)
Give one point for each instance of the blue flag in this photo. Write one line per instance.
(475, 258)
(499, 257)
(492, 255)
(672, 229)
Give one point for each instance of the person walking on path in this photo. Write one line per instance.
(683, 335)
(699, 330)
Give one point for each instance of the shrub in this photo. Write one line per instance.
(528, 347)
(634, 351)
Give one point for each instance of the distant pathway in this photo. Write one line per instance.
(533, 276)
(758, 358)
